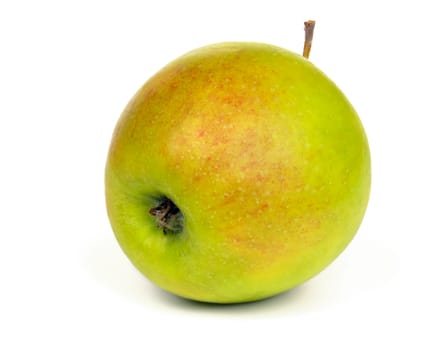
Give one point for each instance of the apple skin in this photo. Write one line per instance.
(264, 156)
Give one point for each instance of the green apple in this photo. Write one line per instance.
(235, 173)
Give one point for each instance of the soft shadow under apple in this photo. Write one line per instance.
(105, 263)
(289, 299)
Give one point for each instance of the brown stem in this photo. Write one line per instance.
(309, 27)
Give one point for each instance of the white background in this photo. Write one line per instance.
(67, 69)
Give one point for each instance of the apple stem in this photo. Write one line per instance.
(309, 27)
(168, 216)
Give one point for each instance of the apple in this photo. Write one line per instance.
(237, 172)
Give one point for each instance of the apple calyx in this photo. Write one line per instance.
(168, 216)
